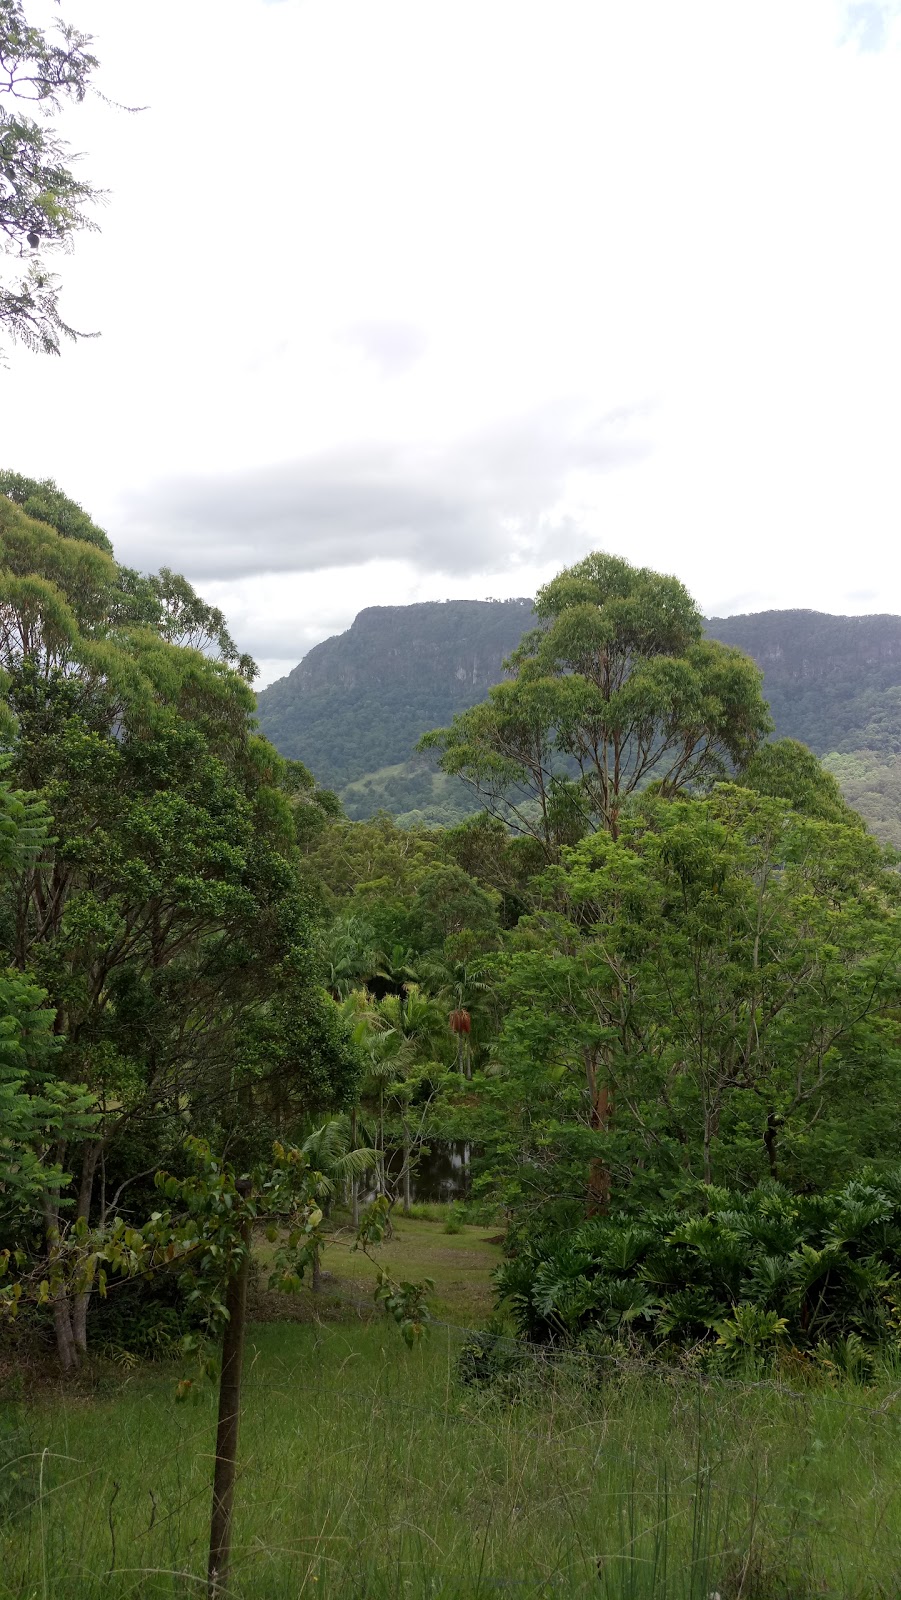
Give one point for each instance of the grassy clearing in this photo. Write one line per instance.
(368, 1473)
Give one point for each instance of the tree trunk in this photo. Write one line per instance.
(66, 1348)
(317, 1272)
(407, 1194)
(227, 1430)
(599, 1172)
(81, 1302)
(770, 1136)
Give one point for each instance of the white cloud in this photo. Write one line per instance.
(371, 276)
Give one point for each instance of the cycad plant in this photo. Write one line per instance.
(742, 1274)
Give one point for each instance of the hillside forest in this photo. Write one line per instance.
(650, 986)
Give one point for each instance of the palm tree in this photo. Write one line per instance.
(416, 1023)
(460, 985)
(335, 1158)
(350, 954)
(394, 971)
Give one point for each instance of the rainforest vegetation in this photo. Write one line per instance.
(471, 1065)
(649, 987)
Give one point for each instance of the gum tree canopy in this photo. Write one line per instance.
(616, 690)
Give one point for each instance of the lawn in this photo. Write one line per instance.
(368, 1471)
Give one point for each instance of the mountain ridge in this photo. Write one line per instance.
(355, 705)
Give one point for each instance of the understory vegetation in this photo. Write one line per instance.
(368, 1469)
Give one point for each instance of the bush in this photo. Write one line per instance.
(143, 1320)
(744, 1274)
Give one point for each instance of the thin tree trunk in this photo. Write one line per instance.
(769, 1142)
(407, 1194)
(599, 1115)
(81, 1302)
(355, 1181)
(227, 1430)
(317, 1272)
(66, 1348)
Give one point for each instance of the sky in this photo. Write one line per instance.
(423, 299)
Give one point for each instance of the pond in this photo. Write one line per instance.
(441, 1171)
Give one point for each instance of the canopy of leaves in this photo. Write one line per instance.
(617, 690)
(161, 911)
(42, 500)
(702, 998)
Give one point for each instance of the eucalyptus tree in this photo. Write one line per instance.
(617, 689)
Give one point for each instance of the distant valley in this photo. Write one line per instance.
(355, 706)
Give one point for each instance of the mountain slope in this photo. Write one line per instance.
(360, 701)
(357, 703)
(829, 680)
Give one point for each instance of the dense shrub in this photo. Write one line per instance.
(744, 1272)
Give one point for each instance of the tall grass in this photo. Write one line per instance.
(368, 1472)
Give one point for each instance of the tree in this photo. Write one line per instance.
(725, 974)
(787, 770)
(617, 690)
(44, 502)
(162, 914)
(336, 1161)
(42, 202)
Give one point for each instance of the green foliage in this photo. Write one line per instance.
(704, 997)
(745, 1274)
(161, 916)
(871, 782)
(787, 770)
(37, 1112)
(42, 202)
(618, 689)
(42, 500)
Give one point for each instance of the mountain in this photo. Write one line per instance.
(357, 703)
(355, 706)
(833, 682)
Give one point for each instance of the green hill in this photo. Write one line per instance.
(355, 706)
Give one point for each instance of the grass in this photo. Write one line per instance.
(368, 1472)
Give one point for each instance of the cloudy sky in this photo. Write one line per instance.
(410, 299)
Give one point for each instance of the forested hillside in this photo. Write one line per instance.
(832, 682)
(356, 705)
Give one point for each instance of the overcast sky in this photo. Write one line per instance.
(414, 299)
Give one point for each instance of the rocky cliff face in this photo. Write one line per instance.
(460, 645)
(826, 677)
